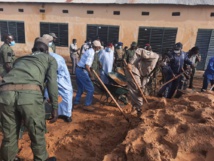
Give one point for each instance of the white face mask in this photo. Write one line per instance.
(97, 51)
(177, 51)
(50, 44)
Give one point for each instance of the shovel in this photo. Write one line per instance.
(121, 110)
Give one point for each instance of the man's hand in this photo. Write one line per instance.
(54, 115)
(129, 66)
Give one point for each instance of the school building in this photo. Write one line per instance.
(158, 22)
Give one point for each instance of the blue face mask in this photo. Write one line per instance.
(108, 49)
(50, 44)
(12, 43)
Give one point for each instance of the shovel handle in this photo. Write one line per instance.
(110, 94)
(130, 72)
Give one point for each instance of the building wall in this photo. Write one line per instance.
(129, 20)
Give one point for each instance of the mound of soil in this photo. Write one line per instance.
(171, 130)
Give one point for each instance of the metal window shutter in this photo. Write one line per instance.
(63, 35)
(3, 29)
(144, 36)
(210, 52)
(44, 28)
(103, 34)
(12, 29)
(61, 31)
(203, 41)
(160, 39)
(91, 32)
(156, 39)
(113, 34)
(20, 32)
(169, 38)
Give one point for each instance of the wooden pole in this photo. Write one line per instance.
(110, 94)
(130, 72)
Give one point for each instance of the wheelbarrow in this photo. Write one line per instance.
(117, 87)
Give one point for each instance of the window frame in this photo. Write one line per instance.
(59, 37)
(17, 35)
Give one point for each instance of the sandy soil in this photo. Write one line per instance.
(168, 130)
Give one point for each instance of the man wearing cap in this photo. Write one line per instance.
(176, 63)
(74, 54)
(130, 52)
(50, 42)
(106, 61)
(119, 54)
(194, 56)
(84, 76)
(53, 46)
(7, 55)
(21, 98)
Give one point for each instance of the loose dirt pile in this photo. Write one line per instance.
(171, 130)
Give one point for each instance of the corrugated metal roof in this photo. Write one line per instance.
(174, 2)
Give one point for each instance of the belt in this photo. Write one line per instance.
(17, 87)
(79, 67)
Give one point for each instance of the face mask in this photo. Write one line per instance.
(97, 51)
(108, 49)
(50, 44)
(12, 43)
(89, 42)
(177, 51)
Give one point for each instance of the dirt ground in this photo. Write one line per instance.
(169, 130)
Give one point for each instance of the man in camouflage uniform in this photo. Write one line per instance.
(53, 46)
(21, 98)
(132, 60)
(130, 52)
(7, 55)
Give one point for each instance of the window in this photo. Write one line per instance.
(90, 12)
(16, 28)
(104, 32)
(145, 13)
(64, 11)
(205, 41)
(1, 9)
(161, 39)
(21, 10)
(212, 14)
(176, 13)
(60, 29)
(116, 12)
(42, 10)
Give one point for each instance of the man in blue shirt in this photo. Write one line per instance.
(84, 76)
(176, 63)
(208, 75)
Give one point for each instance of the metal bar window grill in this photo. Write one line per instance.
(106, 33)
(16, 28)
(60, 29)
(161, 39)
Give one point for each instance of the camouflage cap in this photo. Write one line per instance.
(48, 37)
(53, 35)
(42, 39)
(134, 44)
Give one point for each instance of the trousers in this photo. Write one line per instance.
(136, 98)
(84, 83)
(18, 106)
(74, 61)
